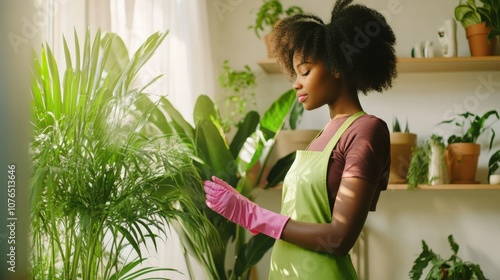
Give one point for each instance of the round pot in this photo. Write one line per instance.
(494, 179)
(479, 45)
(462, 159)
(402, 145)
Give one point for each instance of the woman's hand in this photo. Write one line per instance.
(225, 200)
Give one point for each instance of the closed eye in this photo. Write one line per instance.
(305, 73)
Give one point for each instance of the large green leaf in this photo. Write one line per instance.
(279, 170)
(157, 122)
(467, 14)
(205, 109)
(493, 163)
(214, 152)
(296, 114)
(275, 116)
(118, 58)
(250, 253)
(250, 152)
(245, 129)
(181, 126)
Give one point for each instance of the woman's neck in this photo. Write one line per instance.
(344, 108)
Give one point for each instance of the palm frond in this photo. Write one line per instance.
(98, 184)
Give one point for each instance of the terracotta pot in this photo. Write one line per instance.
(444, 273)
(401, 150)
(479, 45)
(462, 159)
(269, 44)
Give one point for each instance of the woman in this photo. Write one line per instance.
(331, 187)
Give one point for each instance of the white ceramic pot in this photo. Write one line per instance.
(495, 179)
(438, 172)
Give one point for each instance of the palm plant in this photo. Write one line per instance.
(232, 161)
(101, 190)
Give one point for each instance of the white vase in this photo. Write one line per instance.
(438, 173)
(448, 38)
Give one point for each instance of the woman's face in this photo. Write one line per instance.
(315, 85)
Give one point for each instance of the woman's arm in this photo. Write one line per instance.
(350, 210)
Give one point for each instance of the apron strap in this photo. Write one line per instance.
(329, 147)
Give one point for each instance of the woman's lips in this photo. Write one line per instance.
(302, 97)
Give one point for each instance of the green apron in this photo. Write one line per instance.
(305, 199)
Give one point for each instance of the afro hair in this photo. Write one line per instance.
(358, 43)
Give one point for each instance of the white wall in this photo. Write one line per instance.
(403, 218)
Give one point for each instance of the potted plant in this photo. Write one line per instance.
(102, 193)
(477, 22)
(402, 144)
(270, 12)
(231, 160)
(428, 164)
(491, 15)
(493, 165)
(453, 268)
(239, 94)
(462, 152)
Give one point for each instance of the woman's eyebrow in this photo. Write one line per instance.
(301, 63)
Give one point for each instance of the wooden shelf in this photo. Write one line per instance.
(269, 65)
(423, 65)
(446, 187)
(451, 64)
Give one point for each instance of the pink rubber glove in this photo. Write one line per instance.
(225, 200)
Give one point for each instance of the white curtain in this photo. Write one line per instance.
(185, 57)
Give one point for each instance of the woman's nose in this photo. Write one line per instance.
(296, 85)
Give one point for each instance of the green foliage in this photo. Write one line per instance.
(491, 15)
(493, 163)
(270, 12)
(471, 127)
(239, 86)
(453, 268)
(418, 171)
(102, 193)
(231, 161)
(469, 13)
(396, 127)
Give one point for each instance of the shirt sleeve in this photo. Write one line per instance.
(367, 153)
